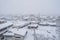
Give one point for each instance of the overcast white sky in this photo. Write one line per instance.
(44, 7)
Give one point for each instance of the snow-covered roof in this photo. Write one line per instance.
(33, 25)
(5, 25)
(34, 21)
(20, 23)
(21, 31)
(2, 20)
(52, 23)
(26, 17)
(8, 34)
(43, 22)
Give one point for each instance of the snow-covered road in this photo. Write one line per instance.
(29, 35)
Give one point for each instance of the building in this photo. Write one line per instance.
(44, 23)
(14, 34)
(52, 24)
(58, 22)
(20, 24)
(4, 27)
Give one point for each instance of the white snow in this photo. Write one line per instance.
(50, 23)
(33, 25)
(5, 25)
(20, 23)
(46, 31)
(29, 35)
(43, 23)
(21, 31)
(8, 34)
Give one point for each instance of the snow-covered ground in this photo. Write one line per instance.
(48, 32)
(29, 35)
(45, 33)
(42, 33)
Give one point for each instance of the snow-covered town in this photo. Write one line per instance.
(30, 27)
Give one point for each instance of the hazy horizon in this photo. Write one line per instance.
(18, 7)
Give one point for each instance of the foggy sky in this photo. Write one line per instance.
(18, 7)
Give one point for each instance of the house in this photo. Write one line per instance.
(14, 34)
(4, 27)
